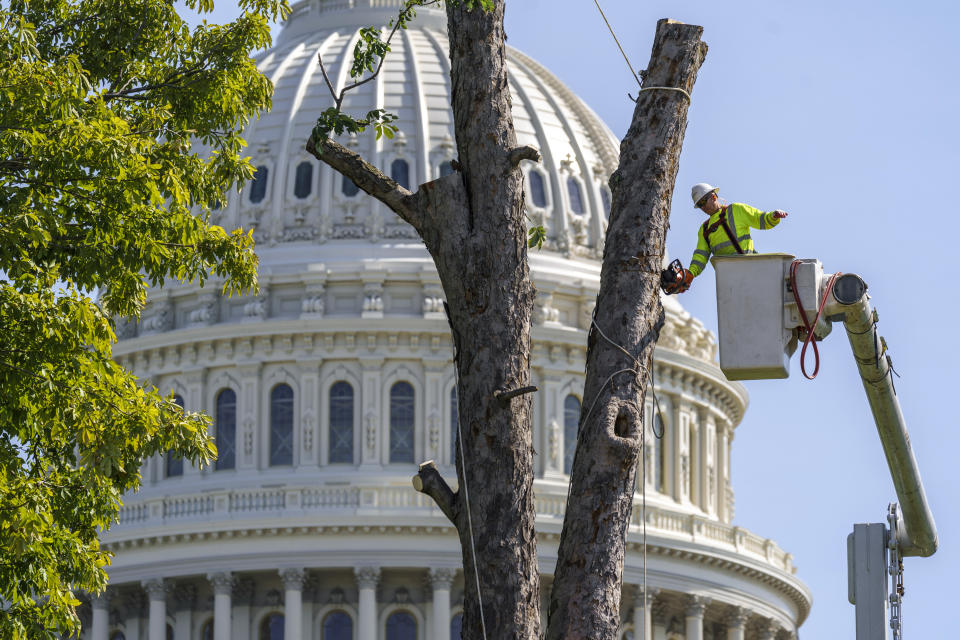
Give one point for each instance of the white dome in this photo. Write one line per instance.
(578, 151)
(316, 516)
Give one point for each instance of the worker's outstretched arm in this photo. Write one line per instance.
(763, 220)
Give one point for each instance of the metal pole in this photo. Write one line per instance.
(920, 535)
(867, 579)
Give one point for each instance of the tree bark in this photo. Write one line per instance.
(585, 599)
(472, 223)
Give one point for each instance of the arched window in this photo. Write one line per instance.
(169, 632)
(571, 419)
(337, 625)
(341, 423)
(605, 198)
(401, 626)
(456, 627)
(348, 187)
(117, 635)
(454, 422)
(400, 172)
(206, 631)
(174, 463)
(226, 426)
(401, 422)
(446, 168)
(576, 198)
(281, 425)
(659, 468)
(538, 191)
(303, 180)
(258, 188)
(272, 627)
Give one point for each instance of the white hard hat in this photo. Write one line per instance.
(699, 190)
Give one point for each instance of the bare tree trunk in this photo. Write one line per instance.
(472, 223)
(585, 600)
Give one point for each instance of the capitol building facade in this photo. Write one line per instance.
(329, 387)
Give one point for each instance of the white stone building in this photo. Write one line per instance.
(329, 387)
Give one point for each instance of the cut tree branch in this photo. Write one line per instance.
(526, 152)
(369, 178)
(429, 481)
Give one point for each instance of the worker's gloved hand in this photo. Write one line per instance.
(685, 283)
(779, 214)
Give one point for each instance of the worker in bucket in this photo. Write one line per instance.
(726, 232)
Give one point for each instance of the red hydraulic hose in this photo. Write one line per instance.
(806, 323)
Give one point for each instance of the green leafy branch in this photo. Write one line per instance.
(368, 57)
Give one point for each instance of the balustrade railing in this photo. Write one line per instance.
(290, 501)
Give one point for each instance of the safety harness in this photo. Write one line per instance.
(708, 228)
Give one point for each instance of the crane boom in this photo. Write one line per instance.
(919, 534)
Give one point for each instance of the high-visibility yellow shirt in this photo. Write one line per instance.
(740, 218)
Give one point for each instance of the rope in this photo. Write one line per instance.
(683, 91)
(463, 465)
(627, 60)
(811, 338)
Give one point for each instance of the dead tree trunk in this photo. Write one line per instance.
(472, 223)
(585, 600)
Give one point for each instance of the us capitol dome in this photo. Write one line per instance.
(329, 387)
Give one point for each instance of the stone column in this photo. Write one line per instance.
(156, 590)
(643, 624)
(696, 605)
(367, 579)
(243, 591)
(185, 597)
(768, 630)
(135, 603)
(100, 625)
(441, 580)
(293, 603)
(222, 589)
(737, 623)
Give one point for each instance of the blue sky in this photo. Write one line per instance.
(844, 115)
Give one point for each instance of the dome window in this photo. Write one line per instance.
(571, 419)
(454, 423)
(401, 626)
(174, 463)
(341, 423)
(272, 627)
(538, 191)
(400, 172)
(226, 426)
(605, 199)
(303, 180)
(576, 197)
(348, 187)
(337, 625)
(281, 425)
(446, 168)
(258, 188)
(401, 422)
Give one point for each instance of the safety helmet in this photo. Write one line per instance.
(701, 189)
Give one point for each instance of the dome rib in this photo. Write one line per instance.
(283, 158)
(595, 212)
(603, 139)
(423, 121)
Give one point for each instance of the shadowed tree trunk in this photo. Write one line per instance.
(585, 599)
(472, 223)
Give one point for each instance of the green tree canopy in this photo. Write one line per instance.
(101, 190)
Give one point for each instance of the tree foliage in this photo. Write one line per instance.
(101, 190)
